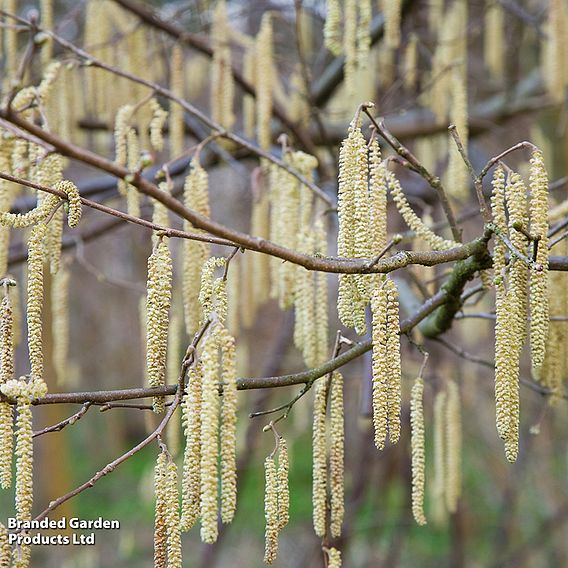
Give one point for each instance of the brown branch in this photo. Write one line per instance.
(64, 423)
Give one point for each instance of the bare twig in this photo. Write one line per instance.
(64, 423)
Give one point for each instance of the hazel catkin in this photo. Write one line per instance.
(319, 458)
(336, 455)
(270, 510)
(418, 451)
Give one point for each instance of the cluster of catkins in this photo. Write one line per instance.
(44, 249)
(520, 262)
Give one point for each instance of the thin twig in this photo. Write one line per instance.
(64, 423)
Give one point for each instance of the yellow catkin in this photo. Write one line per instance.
(336, 455)
(160, 522)
(35, 300)
(378, 199)
(418, 450)
(194, 253)
(159, 117)
(554, 52)
(539, 275)
(177, 126)
(494, 49)
(458, 175)
(173, 538)
(319, 472)
(260, 228)
(6, 444)
(411, 63)
(133, 165)
(392, 10)
(39, 213)
(191, 479)
(7, 339)
(333, 558)
(439, 481)
(380, 365)
(209, 440)
(228, 433)
(24, 460)
(73, 200)
(412, 220)
(453, 436)
(365, 13)
(332, 28)
(172, 376)
(60, 322)
(270, 510)
(160, 214)
(212, 295)
(264, 82)
(158, 302)
(352, 239)
(249, 72)
(5, 547)
(283, 489)
(222, 83)
(11, 42)
(393, 357)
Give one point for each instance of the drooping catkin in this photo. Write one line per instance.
(377, 199)
(380, 366)
(264, 82)
(332, 27)
(7, 339)
(365, 13)
(412, 220)
(336, 455)
(393, 353)
(6, 444)
(158, 302)
(453, 436)
(133, 165)
(177, 126)
(159, 117)
(392, 10)
(554, 52)
(458, 175)
(333, 558)
(196, 197)
(173, 533)
(213, 293)
(24, 460)
(319, 466)
(440, 473)
(350, 46)
(418, 450)
(270, 510)
(35, 300)
(352, 238)
(411, 63)
(160, 512)
(5, 547)
(60, 321)
(539, 306)
(493, 48)
(209, 439)
(191, 480)
(222, 84)
(228, 433)
(283, 489)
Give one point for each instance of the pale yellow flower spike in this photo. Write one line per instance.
(350, 47)
(133, 164)
(222, 83)
(172, 517)
(24, 460)
(411, 63)
(270, 510)
(440, 474)
(159, 117)
(264, 82)
(365, 13)
(378, 199)
(6, 444)
(209, 439)
(160, 522)
(494, 49)
(458, 175)
(392, 10)
(418, 451)
(5, 547)
(336, 455)
(60, 322)
(539, 274)
(352, 238)
(379, 309)
(332, 28)
(73, 199)
(333, 558)
(35, 300)
(157, 309)
(283, 489)
(7, 339)
(228, 431)
(191, 480)
(175, 339)
(393, 358)
(194, 253)
(319, 485)
(177, 125)
(453, 447)
(412, 220)
(121, 128)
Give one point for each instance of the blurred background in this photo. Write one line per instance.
(509, 57)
